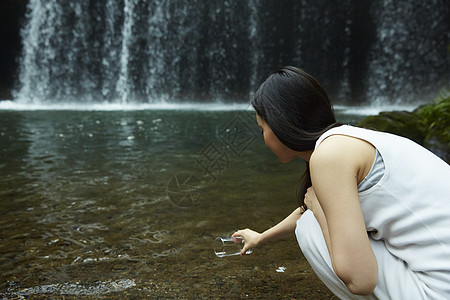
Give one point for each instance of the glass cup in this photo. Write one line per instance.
(229, 246)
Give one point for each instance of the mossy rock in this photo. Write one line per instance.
(428, 125)
(436, 119)
(401, 123)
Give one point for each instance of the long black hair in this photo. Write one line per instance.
(298, 111)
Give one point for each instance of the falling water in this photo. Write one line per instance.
(33, 38)
(407, 53)
(129, 51)
(124, 84)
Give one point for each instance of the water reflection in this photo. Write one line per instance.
(86, 204)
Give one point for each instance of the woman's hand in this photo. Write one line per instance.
(251, 238)
(283, 229)
(311, 200)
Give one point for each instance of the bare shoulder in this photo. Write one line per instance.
(341, 152)
(342, 147)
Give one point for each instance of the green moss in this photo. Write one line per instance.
(436, 117)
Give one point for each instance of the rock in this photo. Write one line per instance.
(428, 125)
(397, 122)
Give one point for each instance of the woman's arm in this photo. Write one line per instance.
(283, 229)
(313, 204)
(336, 166)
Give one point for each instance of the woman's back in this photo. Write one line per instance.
(409, 208)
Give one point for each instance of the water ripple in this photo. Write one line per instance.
(100, 288)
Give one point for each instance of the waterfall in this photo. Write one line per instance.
(38, 49)
(255, 47)
(158, 19)
(131, 51)
(109, 51)
(124, 84)
(408, 54)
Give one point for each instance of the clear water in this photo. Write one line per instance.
(128, 203)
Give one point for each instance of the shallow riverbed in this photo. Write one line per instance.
(126, 204)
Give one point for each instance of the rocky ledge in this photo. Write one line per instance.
(428, 125)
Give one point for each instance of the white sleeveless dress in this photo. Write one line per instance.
(405, 200)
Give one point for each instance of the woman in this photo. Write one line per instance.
(377, 223)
